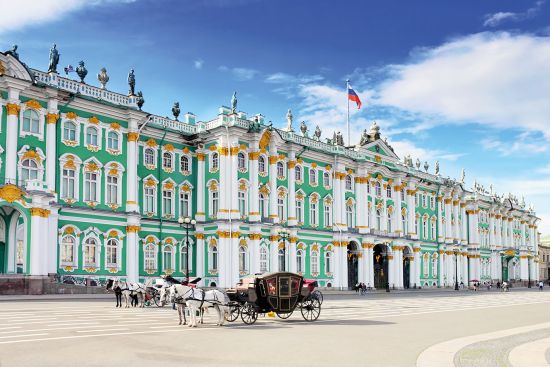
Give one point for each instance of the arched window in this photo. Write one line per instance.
(312, 176)
(214, 203)
(298, 173)
(377, 189)
(280, 169)
(167, 254)
(434, 266)
(378, 219)
(264, 212)
(388, 191)
(90, 252)
(167, 202)
(282, 258)
(389, 227)
(417, 225)
(314, 263)
(349, 214)
(263, 259)
(425, 228)
(184, 163)
(348, 182)
(300, 261)
(29, 170)
(328, 262)
(261, 164)
(215, 162)
(404, 223)
(112, 190)
(31, 122)
(167, 160)
(241, 161)
(67, 250)
(242, 259)
(281, 208)
(112, 140)
(91, 136)
(149, 194)
(214, 263)
(111, 253)
(149, 156)
(150, 257)
(433, 230)
(426, 265)
(69, 131)
(68, 184)
(326, 179)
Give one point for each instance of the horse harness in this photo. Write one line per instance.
(192, 297)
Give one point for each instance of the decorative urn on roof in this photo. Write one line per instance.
(81, 71)
(176, 110)
(103, 78)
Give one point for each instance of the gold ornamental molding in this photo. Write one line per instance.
(274, 238)
(448, 200)
(133, 136)
(115, 126)
(71, 115)
(255, 236)
(227, 234)
(93, 120)
(199, 236)
(133, 229)
(234, 150)
(201, 156)
(416, 249)
(34, 104)
(11, 193)
(51, 118)
(291, 164)
(13, 109)
(264, 140)
(32, 154)
(151, 143)
(39, 212)
(253, 156)
(293, 239)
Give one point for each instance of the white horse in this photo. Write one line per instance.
(196, 299)
(122, 288)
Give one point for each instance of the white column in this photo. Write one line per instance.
(36, 248)
(291, 164)
(341, 199)
(131, 167)
(52, 225)
(440, 237)
(492, 230)
(254, 198)
(523, 267)
(399, 267)
(465, 277)
(274, 251)
(361, 206)
(11, 136)
(441, 267)
(372, 210)
(456, 231)
(200, 248)
(464, 230)
(391, 270)
(523, 233)
(417, 261)
(225, 186)
(398, 224)
(200, 191)
(273, 186)
(411, 211)
(51, 143)
(448, 220)
(370, 265)
(385, 214)
(132, 257)
(291, 252)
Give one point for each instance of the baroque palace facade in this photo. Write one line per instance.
(92, 188)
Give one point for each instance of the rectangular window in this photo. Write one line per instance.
(90, 186)
(214, 209)
(184, 204)
(281, 208)
(112, 190)
(300, 211)
(314, 263)
(167, 200)
(67, 191)
(313, 214)
(328, 216)
(149, 200)
(242, 203)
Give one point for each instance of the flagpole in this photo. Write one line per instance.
(347, 123)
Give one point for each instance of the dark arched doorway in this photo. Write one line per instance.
(353, 264)
(380, 262)
(407, 257)
(13, 249)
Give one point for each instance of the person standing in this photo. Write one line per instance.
(541, 286)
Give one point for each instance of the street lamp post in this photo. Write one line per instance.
(528, 272)
(456, 271)
(187, 223)
(284, 234)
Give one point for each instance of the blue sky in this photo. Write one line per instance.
(466, 83)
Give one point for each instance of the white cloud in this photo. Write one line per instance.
(240, 74)
(497, 79)
(524, 144)
(493, 20)
(198, 64)
(16, 15)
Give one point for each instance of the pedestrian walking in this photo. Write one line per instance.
(363, 289)
(541, 286)
(498, 284)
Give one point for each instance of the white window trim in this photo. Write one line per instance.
(316, 175)
(246, 162)
(99, 187)
(41, 121)
(190, 164)
(77, 123)
(173, 257)
(266, 248)
(118, 241)
(300, 218)
(155, 257)
(155, 156)
(302, 260)
(77, 162)
(316, 214)
(99, 136)
(118, 151)
(155, 194)
(211, 199)
(266, 165)
(190, 193)
(211, 168)
(283, 176)
(316, 254)
(301, 168)
(40, 164)
(190, 255)
(120, 173)
(98, 249)
(246, 269)
(211, 269)
(74, 263)
(172, 213)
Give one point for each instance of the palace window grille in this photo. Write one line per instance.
(281, 208)
(281, 256)
(326, 179)
(184, 163)
(215, 203)
(150, 257)
(263, 259)
(280, 169)
(185, 201)
(31, 122)
(242, 203)
(388, 191)
(298, 173)
(328, 262)
(378, 189)
(264, 212)
(349, 215)
(214, 263)
(300, 211)
(167, 160)
(241, 161)
(349, 184)
(167, 202)
(261, 164)
(68, 249)
(327, 215)
(312, 176)
(183, 260)
(90, 252)
(313, 213)
(148, 203)
(314, 262)
(242, 259)
(300, 261)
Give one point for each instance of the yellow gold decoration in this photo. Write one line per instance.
(168, 185)
(11, 193)
(185, 188)
(32, 154)
(115, 125)
(255, 236)
(132, 229)
(200, 157)
(151, 143)
(133, 136)
(113, 233)
(199, 236)
(291, 164)
(273, 159)
(93, 120)
(377, 158)
(253, 156)
(71, 115)
(213, 186)
(169, 147)
(69, 230)
(13, 109)
(34, 104)
(92, 167)
(51, 118)
(150, 182)
(264, 140)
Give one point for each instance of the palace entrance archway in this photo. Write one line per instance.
(380, 262)
(407, 257)
(13, 241)
(353, 264)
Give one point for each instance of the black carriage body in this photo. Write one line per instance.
(271, 292)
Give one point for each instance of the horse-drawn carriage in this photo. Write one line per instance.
(280, 293)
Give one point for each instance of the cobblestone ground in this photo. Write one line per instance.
(494, 353)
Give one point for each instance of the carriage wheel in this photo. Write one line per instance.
(234, 311)
(317, 294)
(311, 309)
(284, 316)
(156, 298)
(249, 315)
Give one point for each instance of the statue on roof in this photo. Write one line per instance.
(417, 164)
(303, 128)
(374, 132)
(462, 175)
(103, 78)
(317, 133)
(364, 138)
(131, 82)
(13, 52)
(437, 168)
(426, 166)
(234, 102)
(339, 138)
(289, 118)
(176, 110)
(54, 59)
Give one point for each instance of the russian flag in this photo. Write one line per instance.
(352, 96)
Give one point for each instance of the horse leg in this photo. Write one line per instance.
(183, 312)
(179, 313)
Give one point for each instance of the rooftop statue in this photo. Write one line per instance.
(234, 103)
(54, 59)
(13, 52)
(364, 138)
(303, 128)
(317, 134)
(417, 164)
(131, 83)
(289, 118)
(254, 126)
(176, 110)
(462, 176)
(339, 138)
(103, 78)
(437, 168)
(81, 71)
(140, 101)
(426, 166)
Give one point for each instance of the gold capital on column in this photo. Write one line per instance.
(13, 109)
(51, 118)
(133, 136)
(133, 229)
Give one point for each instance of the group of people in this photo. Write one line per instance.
(361, 288)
